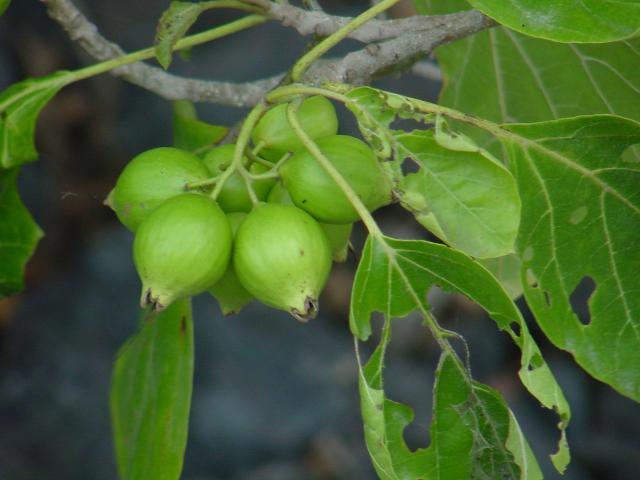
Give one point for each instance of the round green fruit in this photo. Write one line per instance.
(181, 249)
(234, 196)
(151, 178)
(228, 291)
(317, 117)
(282, 257)
(337, 234)
(313, 190)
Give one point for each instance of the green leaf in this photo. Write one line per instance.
(19, 235)
(470, 199)
(581, 219)
(173, 25)
(473, 433)
(586, 21)
(192, 134)
(461, 193)
(393, 277)
(525, 79)
(4, 4)
(151, 396)
(20, 105)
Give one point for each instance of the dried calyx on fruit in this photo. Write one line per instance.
(182, 248)
(282, 257)
(151, 178)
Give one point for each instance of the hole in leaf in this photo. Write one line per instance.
(547, 298)
(579, 299)
(535, 363)
(515, 328)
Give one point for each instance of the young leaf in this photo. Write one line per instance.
(192, 134)
(151, 396)
(20, 105)
(173, 24)
(393, 277)
(586, 21)
(19, 235)
(581, 220)
(470, 199)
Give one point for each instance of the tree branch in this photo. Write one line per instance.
(322, 24)
(402, 43)
(377, 59)
(154, 79)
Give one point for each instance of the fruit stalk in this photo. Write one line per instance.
(310, 145)
(241, 145)
(325, 45)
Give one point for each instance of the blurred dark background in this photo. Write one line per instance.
(273, 399)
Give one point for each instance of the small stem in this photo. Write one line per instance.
(335, 175)
(321, 48)
(203, 183)
(248, 182)
(281, 93)
(186, 42)
(256, 159)
(234, 4)
(241, 144)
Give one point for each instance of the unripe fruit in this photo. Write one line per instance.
(228, 291)
(337, 234)
(317, 117)
(313, 190)
(182, 248)
(151, 178)
(282, 256)
(234, 196)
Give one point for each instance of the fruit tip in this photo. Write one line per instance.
(147, 299)
(309, 311)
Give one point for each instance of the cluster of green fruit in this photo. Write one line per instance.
(273, 228)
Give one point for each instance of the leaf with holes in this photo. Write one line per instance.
(20, 105)
(173, 25)
(192, 134)
(151, 396)
(19, 235)
(473, 433)
(586, 21)
(461, 193)
(394, 276)
(581, 219)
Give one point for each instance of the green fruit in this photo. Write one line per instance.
(337, 234)
(283, 258)
(182, 248)
(151, 178)
(234, 196)
(313, 190)
(317, 117)
(228, 291)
